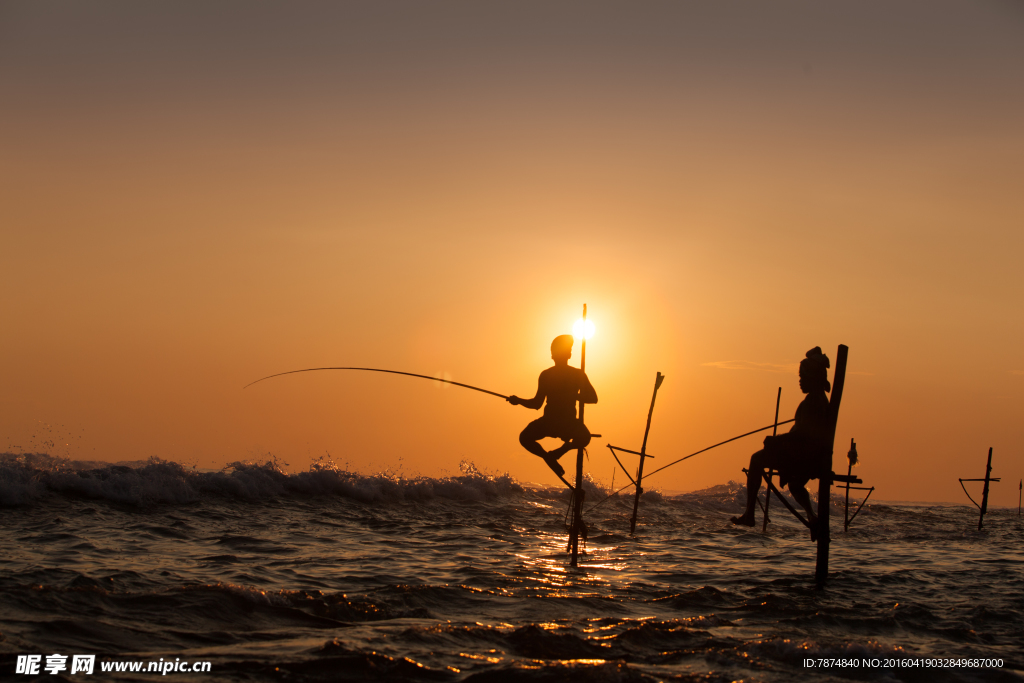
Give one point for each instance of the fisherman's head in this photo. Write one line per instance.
(561, 348)
(814, 372)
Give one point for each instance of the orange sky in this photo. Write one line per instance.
(195, 196)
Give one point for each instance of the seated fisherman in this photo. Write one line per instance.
(562, 385)
(797, 455)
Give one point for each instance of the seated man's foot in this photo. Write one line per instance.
(560, 451)
(812, 522)
(746, 519)
(552, 462)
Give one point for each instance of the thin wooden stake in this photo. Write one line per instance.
(1020, 489)
(849, 472)
(771, 472)
(984, 491)
(658, 379)
(578, 493)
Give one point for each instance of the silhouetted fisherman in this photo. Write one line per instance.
(562, 386)
(797, 455)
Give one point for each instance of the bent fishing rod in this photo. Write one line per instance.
(675, 462)
(407, 374)
(392, 372)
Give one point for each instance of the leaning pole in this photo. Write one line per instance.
(577, 492)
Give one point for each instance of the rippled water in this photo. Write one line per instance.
(330, 574)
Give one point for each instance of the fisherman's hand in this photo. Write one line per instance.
(515, 400)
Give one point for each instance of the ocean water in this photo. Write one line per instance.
(333, 575)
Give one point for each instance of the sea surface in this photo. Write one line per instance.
(334, 575)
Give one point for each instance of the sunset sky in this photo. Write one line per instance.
(195, 195)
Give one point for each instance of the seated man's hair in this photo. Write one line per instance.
(815, 367)
(563, 343)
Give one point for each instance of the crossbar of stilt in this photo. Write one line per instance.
(785, 502)
(628, 475)
(988, 479)
(857, 511)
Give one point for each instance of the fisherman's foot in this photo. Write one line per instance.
(552, 461)
(746, 519)
(560, 451)
(813, 526)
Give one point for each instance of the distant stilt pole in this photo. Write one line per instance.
(825, 479)
(577, 494)
(852, 455)
(771, 472)
(1020, 489)
(984, 491)
(659, 378)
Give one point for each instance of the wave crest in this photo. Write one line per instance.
(25, 479)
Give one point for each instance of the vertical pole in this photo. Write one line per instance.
(1020, 490)
(825, 478)
(577, 493)
(771, 472)
(659, 378)
(849, 471)
(984, 492)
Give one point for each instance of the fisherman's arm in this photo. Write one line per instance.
(587, 392)
(532, 403)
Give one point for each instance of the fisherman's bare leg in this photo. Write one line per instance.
(801, 496)
(755, 473)
(579, 437)
(528, 441)
(528, 438)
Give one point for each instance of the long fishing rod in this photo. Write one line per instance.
(392, 372)
(674, 462)
(408, 374)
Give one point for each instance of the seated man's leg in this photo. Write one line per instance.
(800, 495)
(575, 435)
(533, 433)
(755, 474)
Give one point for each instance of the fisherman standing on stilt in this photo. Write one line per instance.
(562, 385)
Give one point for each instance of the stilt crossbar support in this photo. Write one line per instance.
(984, 492)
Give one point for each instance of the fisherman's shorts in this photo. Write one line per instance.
(565, 429)
(796, 460)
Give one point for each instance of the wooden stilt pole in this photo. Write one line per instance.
(984, 491)
(1020, 490)
(852, 455)
(577, 494)
(771, 472)
(659, 378)
(825, 479)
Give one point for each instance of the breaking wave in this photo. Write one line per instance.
(25, 479)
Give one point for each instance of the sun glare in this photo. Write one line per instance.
(583, 329)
